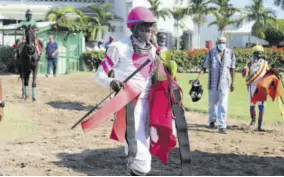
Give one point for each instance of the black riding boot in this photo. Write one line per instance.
(252, 115)
(252, 121)
(259, 128)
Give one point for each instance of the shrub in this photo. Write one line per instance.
(92, 59)
(7, 59)
(192, 60)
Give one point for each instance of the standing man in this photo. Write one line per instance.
(221, 63)
(52, 55)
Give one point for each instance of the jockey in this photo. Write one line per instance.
(254, 72)
(123, 57)
(140, 22)
(31, 23)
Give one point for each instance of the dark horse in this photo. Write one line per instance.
(28, 62)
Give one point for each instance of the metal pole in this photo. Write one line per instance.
(3, 38)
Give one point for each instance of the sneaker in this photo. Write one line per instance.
(211, 125)
(136, 173)
(222, 130)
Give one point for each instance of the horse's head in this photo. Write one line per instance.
(30, 36)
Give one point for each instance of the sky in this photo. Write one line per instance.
(267, 3)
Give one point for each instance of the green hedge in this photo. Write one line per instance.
(191, 61)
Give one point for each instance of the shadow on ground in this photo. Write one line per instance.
(111, 162)
(69, 105)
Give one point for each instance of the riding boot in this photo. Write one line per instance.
(252, 122)
(260, 118)
(252, 115)
(259, 128)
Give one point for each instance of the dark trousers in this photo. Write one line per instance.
(51, 61)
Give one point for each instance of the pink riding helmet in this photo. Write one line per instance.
(138, 15)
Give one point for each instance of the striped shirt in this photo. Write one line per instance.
(219, 68)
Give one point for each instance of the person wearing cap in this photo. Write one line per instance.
(29, 23)
(110, 40)
(147, 131)
(253, 72)
(220, 62)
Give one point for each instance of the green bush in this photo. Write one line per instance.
(190, 61)
(92, 59)
(7, 59)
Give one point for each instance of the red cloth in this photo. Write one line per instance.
(115, 104)
(161, 118)
(268, 85)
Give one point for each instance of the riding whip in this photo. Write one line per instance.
(109, 95)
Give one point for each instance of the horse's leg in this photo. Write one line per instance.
(26, 83)
(34, 82)
(23, 85)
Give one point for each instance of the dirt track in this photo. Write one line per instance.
(36, 138)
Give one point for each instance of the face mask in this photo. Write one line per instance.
(162, 43)
(221, 46)
(143, 32)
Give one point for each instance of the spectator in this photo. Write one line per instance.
(52, 55)
(220, 61)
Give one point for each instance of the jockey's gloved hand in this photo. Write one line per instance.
(116, 85)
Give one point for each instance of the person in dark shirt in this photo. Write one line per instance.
(52, 55)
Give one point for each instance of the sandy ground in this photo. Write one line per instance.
(35, 137)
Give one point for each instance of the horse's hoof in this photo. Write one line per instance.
(34, 99)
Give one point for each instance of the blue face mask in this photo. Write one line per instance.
(221, 46)
(162, 43)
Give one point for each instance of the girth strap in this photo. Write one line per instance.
(130, 133)
(183, 139)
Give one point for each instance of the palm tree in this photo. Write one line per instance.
(222, 21)
(178, 13)
(101, 18)
(223, 12)
(157, 12)
(223, 6)
(279, 3)
(258, 13)
(199, 9)
(67, 18)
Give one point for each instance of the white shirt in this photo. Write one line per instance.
(119, 58)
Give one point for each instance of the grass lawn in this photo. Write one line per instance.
(238, 100)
